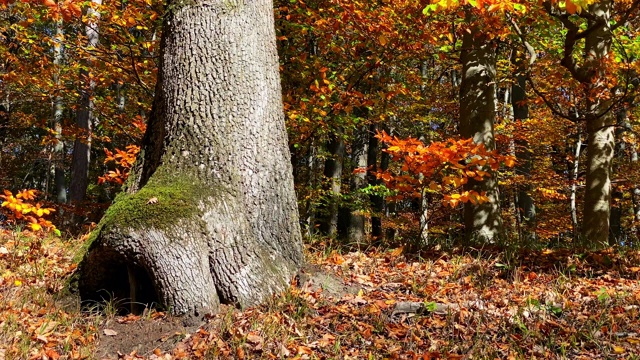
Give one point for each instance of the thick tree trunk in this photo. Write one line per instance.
(483, 222)
(209, 213)
(84, 117)
(597, 202)
(600, 130)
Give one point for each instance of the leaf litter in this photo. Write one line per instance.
(551, 304)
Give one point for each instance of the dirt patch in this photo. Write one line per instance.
(314, 278)
(125, 335)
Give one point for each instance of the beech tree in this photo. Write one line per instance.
(477, 115)
(208, 214)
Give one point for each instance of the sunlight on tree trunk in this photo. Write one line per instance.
(483, 222)
(209, 213)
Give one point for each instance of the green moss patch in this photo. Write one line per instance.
(161, 203)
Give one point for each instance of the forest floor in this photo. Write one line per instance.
(478, 304)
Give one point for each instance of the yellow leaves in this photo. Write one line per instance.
(575, 6)
(467, 196)
(383, 40)
(619, 350)
(20, 208)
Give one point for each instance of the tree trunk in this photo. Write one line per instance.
(355, 231)
(84, 117)
(574, 186)
(209, 213)
(377, 201)
(526, 206)
(58, 149)
(600, 130)
(483, 222)
(333, 172)
(635, 194)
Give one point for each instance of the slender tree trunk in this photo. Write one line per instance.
(355, 230)
(85, 117)
(526, 206)
(483, 222)
(58, 111)
(635, 194)
(600, 130)
(574, 186)
(209, 212)
(377, 201)
(312, 185)
(333, 172)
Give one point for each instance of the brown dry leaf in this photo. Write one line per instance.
(110, 332)
(240, 353)
(284, 351)
(46, 328)
(254, 338)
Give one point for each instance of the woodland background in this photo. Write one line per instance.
(371, 93)
(76, 88)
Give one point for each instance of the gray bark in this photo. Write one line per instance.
(574, 186)
(209, 213)
(635, 193)
(483, 222)
(84, 117)
(355, 231)
(333, 172)
(600, 130)
(377, 201)
(58, 149)
(526, 206)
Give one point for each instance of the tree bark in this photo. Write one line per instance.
(574, 186)
(483, 222)
(355, 231)
(600, 130)
(377, 201)
(526, 206)
(58, 149)
(209, 213)
(85, 117)
(328, 218)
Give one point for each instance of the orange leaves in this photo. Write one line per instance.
(68, 9)
(20, 208)
(124, 160)
(440, 167)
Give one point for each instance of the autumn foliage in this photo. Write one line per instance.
(441, 167)
(21, 208)
(123, 161)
